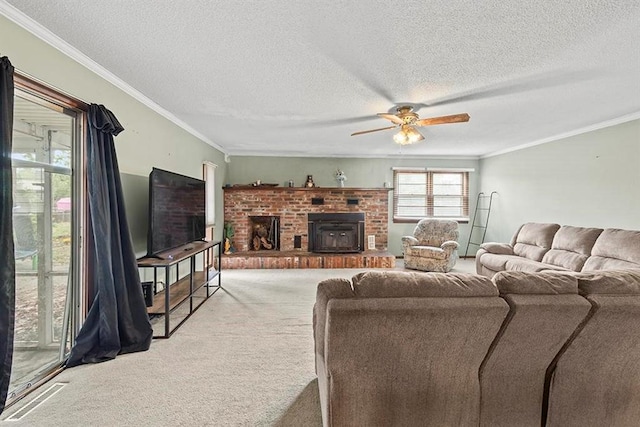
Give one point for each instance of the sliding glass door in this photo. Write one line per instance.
(46, 215)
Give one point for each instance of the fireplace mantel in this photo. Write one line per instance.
(293, 204)
(287, 189)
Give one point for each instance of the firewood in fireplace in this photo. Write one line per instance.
(261, 230)
(265, 243)
(256, 243)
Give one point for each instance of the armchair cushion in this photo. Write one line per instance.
(427, 252)
(434, 232)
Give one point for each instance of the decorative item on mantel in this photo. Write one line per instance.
(257, 183)
(340, 177)
(309, 183)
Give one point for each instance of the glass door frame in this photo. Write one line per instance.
(76, 305)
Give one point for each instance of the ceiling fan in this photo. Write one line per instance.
(407, 120)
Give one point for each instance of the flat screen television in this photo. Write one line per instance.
(176, 211)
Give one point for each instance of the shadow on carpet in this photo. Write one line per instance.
(305, 410)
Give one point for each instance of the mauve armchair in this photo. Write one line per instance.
(433, 246)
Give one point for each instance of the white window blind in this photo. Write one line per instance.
(424, 193)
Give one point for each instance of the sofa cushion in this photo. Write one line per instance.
(533, 240)
(543, 283)
(406, 361)
(576, 239)
(397, 284)
(610, 282)
(571, 247)
(544, 310)
(595, 378)
(524, 264)
(595, 263)
(615, 249)
(567, 259)
(532, 252)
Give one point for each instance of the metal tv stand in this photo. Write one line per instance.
(181, 293)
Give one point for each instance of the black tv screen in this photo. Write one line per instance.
(176, 210)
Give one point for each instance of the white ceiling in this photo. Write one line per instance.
(298, 77)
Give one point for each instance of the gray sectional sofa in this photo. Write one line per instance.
(522, 349)
(540, 247)
(403, 349)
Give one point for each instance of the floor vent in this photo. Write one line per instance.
(37, 401)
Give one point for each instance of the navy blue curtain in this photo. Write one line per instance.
(7, 257)
(117, 321)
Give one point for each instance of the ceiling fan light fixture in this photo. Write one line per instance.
(401, 138)
(407, 135)
(413, 135)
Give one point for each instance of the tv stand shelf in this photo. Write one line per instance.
(187, 293)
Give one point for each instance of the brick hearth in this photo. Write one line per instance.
(297, 259)
(292, 205)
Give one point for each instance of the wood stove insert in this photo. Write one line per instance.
(336, 232)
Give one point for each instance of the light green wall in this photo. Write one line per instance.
(364, 173)
(149, 139)
(590, 180)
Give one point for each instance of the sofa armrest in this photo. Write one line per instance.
(497, 248)
(326, 291)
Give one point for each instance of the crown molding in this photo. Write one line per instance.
(24, 21)
(259, 153)
(591, 128)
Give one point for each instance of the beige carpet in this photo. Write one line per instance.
(245, 358)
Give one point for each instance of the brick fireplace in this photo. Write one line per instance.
(294, 206)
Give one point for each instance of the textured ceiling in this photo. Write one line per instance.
(297, 78)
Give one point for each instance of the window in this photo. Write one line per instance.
(420, 193)
(209, 173)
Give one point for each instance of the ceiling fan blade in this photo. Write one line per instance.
(372, 130)
(519, 85)
(392, 117)
(333, 122)
(455, 118)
